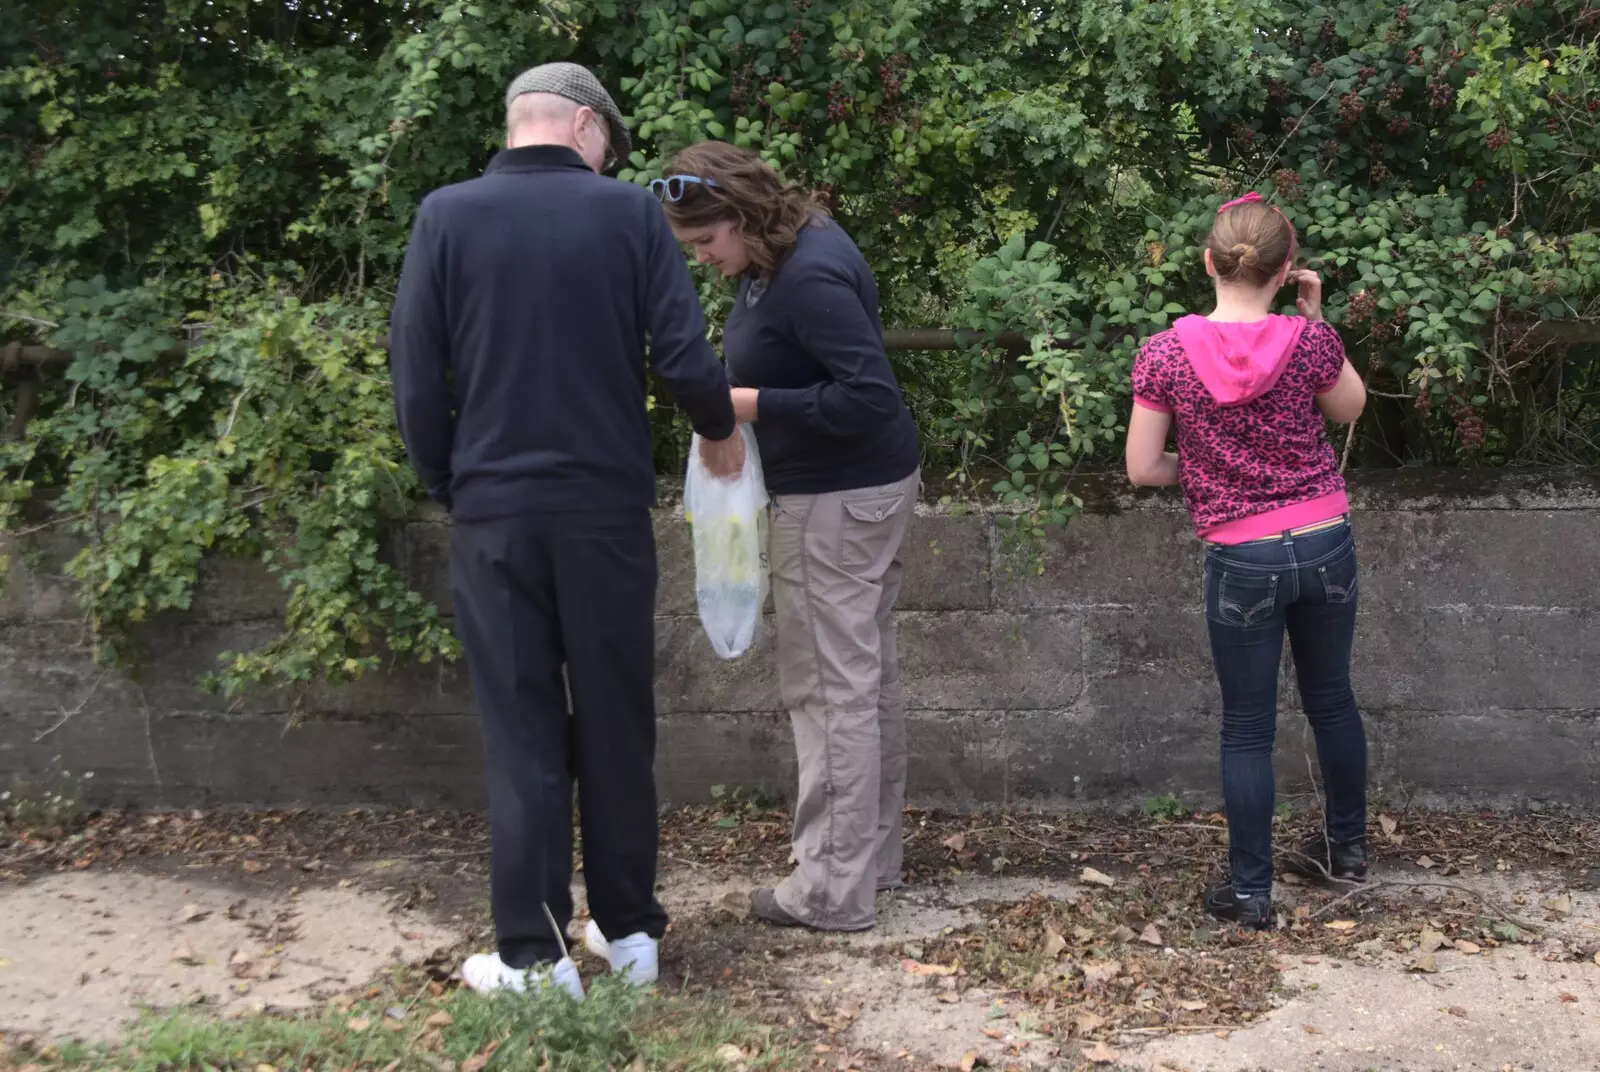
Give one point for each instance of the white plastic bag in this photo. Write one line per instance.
(728, 522)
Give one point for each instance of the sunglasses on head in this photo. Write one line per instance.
(674, 187)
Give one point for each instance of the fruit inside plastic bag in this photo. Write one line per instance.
(728, 523)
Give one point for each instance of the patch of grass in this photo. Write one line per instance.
(615, 1027)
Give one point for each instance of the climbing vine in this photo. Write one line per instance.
(205, 203)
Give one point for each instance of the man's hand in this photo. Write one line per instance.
(745, 405)
(724, 457)
(1309, 300)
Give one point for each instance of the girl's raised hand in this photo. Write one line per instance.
(1309, 300)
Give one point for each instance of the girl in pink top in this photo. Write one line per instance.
(1247, 392)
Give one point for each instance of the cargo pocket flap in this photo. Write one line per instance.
(870, 510)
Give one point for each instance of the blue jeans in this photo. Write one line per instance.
(1254, 592)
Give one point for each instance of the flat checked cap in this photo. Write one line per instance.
(579, 85)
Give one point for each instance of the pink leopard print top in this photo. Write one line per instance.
(1255, 458)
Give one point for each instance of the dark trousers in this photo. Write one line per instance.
(533, 595)
(1253, 593)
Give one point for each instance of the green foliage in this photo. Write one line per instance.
(1166, 808)
(244, 172)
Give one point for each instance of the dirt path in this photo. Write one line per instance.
(1003, 953)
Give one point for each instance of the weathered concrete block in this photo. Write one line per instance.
(176, 654)
(674, 564)
(955, 759)
(1491, 755)
(1510, 658)
(402, 689)
(50, 667)
(690, 676)
(744, 751)
(1097, 755)
(947, 563)
(1505, 559)
(237, 590)
(1144, 556)
(425, 561)
(13, 581)
(967, 660)
(1151, 662)
(52, 595)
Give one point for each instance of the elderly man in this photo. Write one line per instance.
(518, 354)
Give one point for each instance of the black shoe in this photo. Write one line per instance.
(1254, 911)
(1321, 859)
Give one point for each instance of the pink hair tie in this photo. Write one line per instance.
(1248, 198)
(1254, 198)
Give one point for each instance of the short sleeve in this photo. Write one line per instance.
(1149, 379)
(1327, 355)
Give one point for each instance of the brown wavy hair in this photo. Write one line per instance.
(1250, 243)
(767, 211)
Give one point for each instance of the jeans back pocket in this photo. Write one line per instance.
(1240, 599)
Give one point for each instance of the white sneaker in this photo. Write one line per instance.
(634, 957)
(486, 973)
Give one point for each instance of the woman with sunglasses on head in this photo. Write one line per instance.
(1247, 391)
(804, 349)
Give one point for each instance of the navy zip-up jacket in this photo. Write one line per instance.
(517, 340)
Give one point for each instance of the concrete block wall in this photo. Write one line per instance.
(1477, 665)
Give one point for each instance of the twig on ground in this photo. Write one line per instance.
(1374, 887)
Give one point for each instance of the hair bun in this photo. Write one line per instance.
(1245, 254)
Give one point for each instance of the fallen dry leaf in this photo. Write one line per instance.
(1310, 1029)
(359, 1024)
(994, 1033)
(1389, 825)
(1561, 906)
(1457, 1010)
(1426, 862)
(730, 1054)
(970, 1060)
(439, 1019)
(1425, 964)
(1099, 878)
(1101, 971)
(1430, 940)
(913, 967)
(1341, 925)
(1087, 1023)
(1469, 948)
(956, 842)
(1192, 1006)
(193, 912)
(1597, 956)
(432, 1041)
(1568, 999)
(1101, 1054)
(254, 867)
(476, 1062)
(1151, 936)
(1054, 944)
(266, 1068)
(1124, 934)
(185, 954)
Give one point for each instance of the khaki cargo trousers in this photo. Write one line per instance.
(835, 576)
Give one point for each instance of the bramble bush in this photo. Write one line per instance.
(241, 175)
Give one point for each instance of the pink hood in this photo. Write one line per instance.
(1239, 362)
